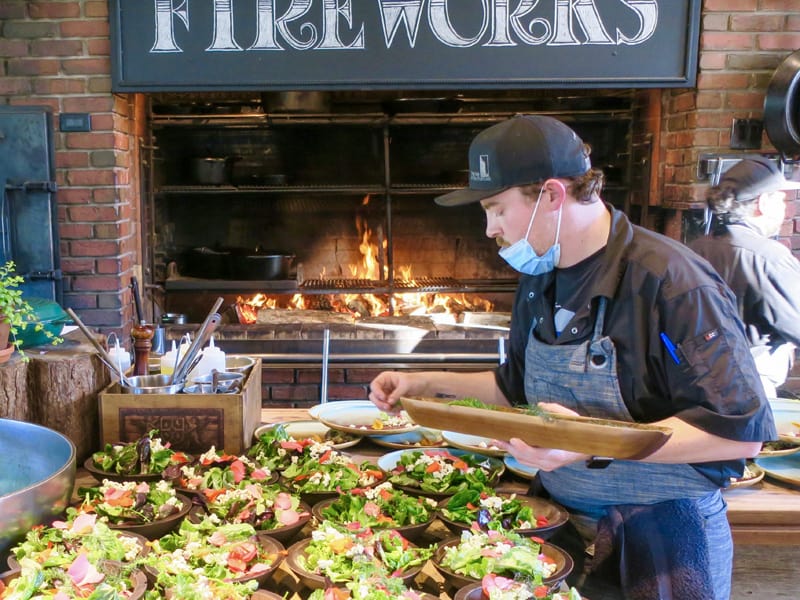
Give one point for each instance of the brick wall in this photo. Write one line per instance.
(56, 54)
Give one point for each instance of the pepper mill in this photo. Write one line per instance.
(142, 342)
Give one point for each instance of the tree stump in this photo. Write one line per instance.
(58, 388)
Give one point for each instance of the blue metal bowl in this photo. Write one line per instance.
(36, 478)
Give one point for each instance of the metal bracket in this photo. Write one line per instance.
(710, 167)
(50, 187)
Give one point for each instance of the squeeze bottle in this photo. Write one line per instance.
(212, 358)
(168, 360)
(120, 356)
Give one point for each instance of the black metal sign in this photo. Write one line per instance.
(183, 45)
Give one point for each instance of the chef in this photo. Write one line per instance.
(611, 320)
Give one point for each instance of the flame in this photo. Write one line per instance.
(364, 305)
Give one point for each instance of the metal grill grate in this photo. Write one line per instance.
(423, 284)
(338, 284)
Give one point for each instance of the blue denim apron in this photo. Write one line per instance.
(583, 377)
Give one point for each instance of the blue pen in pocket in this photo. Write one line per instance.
(671, 348)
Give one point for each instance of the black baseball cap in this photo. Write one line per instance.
(751, 177)
(522, 150)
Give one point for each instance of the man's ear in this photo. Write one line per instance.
(556, 190)
(762, 204)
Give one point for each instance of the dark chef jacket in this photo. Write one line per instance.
(764, 276)
(654, 284)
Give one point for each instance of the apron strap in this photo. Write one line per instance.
(598, 355)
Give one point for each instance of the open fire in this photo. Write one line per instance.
(373, 271)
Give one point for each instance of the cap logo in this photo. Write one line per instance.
(483, 169)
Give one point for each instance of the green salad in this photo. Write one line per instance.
(263, 507)
(330, 471)
(211, 555)
(533, 411)
(217, 471)
(369, 585)
(496, 587)
(340, 555)
(479, 553)
(380, 507)
(80, 577)
(146, 456)
(129, 502)
(60, 544)
(442, 471)
(482, 509)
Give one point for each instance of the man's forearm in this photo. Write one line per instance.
(689, 444)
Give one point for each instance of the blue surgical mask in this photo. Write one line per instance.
(523, 258)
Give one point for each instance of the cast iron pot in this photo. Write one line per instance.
(207, 263)
(260, 264)
(782, 106)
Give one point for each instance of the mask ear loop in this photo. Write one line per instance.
(533, 216)
(560, 208)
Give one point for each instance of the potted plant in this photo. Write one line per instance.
(16, 314)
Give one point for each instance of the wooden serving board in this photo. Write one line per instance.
(597, 437)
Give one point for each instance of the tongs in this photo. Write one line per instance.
(191, 357)
(105, 357)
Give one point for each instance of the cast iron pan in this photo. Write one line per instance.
(782, 106)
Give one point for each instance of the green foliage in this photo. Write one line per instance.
(15, 310)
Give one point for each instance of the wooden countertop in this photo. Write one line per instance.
(767, 513)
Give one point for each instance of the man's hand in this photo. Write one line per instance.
(546, 459)
(387, 387)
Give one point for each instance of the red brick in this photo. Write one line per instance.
(96, 9)
(72, 231)
(745, 100)
(104, 195)
(715, 22)
(12, 10)
(110, 266)
(66, 160)
(92, 104)
(709, 100)
(98, 47)
(73, 195)
(33, 66)
(112, 231)
(92, 214)
(77, 265)
(706, 137)
(85, 29)
(295, 392)
(15, 86)
(269, 375)
(11, 48)
(723, 81)
(86, 66)
(779, 41)
(56, 48)
(107, 284)
(756, 22)
(54, 10)
(781, 5)
(89, 140)
(80, 301)
(315, 375)
(93, 248)
(58, 86)
(90, 177)
(99, 318)
(347, 392)
(361, 375)
(730, 5)
(711, 40)
(713, 60)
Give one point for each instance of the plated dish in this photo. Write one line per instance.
(310, 429)
(782, 468)
(440, 472)
(473, 443)
(471, 509)
(363, 420)
(463, 560)
(779, 448)
(516, 467)
(752, 475)
(421, 437)
(315, 410)
(597, 437)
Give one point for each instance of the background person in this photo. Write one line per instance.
(612, 320)
(750, 207)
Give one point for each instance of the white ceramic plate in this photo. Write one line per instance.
(313, 429)
(387, 462)
(516, 467)
(315, 410)
(421, 437)
(360, 420)
(473, 443)
(753, 474)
